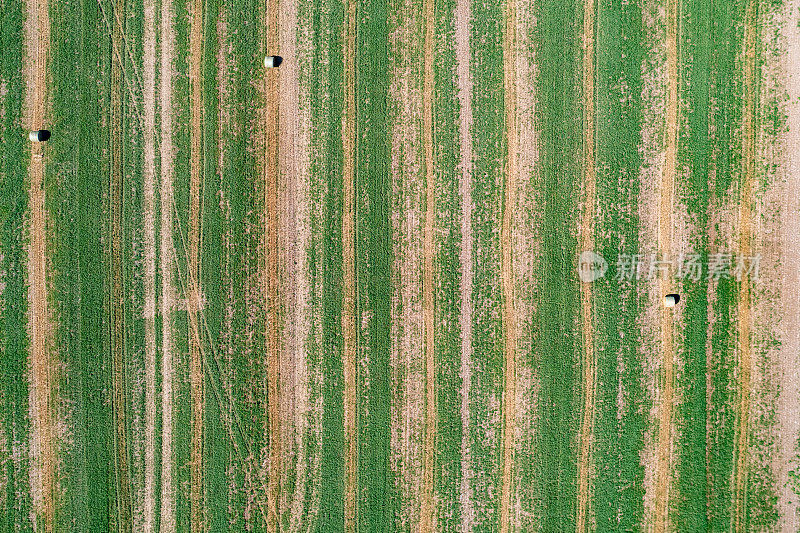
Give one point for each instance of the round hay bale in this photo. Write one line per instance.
(671, 299)
(273, 61)
(39, 135)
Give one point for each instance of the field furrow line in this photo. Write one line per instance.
(463, 17)
(349, 269)
(41, 401)
(665, 229)
(271, 275)
(509, 431)
(166, 258)
(193, 268)
(586, 238)
(148, 168)
(745, 250)
(428, 511)
(119, 381)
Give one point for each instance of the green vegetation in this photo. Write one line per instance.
(485, 397)
(557, 337)
(15, 497)
(373, 251)
(325, 257)
(390, 210)
(447, 261)
(77, 167)
(620, 422)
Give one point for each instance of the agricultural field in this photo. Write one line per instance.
(411, 280)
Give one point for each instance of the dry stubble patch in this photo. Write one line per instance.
(463, 18)
(40, 327)
(745, 249)
(527, 255)
(407, 345)
(507, 260)
(428, 511)
(295, 241)
(168, 297)
(665, 248)
(271, 276)
(149, 66)
(788, 356)
(654, 105)
(586, 238)
(349, 269)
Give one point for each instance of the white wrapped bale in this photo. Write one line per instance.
(39, 135)
(272, 61)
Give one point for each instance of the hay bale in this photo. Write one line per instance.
(272, 61)
(39, 135)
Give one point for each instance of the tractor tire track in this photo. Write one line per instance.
(40, 327)
(745, 250)
(507, 260)
(587, 243)
(349, 270)
(193, 302)
(665, 228)
(428, 511)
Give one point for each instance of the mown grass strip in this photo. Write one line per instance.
(620, 400)
(485, 401)
(372, 254)
(556, 343)
(75, 186)
(15, 499)
(696, 154)
(452, 387)
(326, 259)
